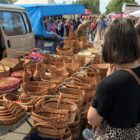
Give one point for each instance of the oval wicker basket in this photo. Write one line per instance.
(31, 90)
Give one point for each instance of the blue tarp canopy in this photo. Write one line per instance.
(37, 12)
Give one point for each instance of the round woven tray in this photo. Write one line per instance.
(9, 84)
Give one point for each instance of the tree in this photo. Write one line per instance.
(116, 5)
(93, 5)
(8, 1)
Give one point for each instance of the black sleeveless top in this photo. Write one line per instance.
(117, 99)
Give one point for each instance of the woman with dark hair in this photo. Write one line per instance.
(115, 112)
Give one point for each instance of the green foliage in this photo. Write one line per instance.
(93, 5)
(8, 1)
(116, 5)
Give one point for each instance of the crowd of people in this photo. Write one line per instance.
(86, 25)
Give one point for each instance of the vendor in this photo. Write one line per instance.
(2, 45)
(82, 29)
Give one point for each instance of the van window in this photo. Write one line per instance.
(27, 23)
(12, 23)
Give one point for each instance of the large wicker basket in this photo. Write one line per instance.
(58, 104)
(59, 119)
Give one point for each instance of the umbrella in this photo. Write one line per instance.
(136, 13)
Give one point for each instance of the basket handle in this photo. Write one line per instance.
(16, 52)
(58, 87)
(3, 67)
(59, 101)
(60, 44)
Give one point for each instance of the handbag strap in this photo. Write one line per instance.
(133, 74)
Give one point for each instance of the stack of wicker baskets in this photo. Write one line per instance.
(51, 117)
(10, 112)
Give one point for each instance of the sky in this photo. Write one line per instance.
(103, 3)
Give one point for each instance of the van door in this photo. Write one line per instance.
(16, 33)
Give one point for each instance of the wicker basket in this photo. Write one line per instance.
(10, 113)
(57, 104)
(66, 51)
(49, 86)
(64, 74)
(101, 69)
(4, 71)
(73, 82)
(74, 95)
(52, 79)
(31, 90)
(30, 102)
(57, 119)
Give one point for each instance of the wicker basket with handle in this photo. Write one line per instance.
(58, 104)
(70, 94)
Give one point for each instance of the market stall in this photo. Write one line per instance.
(50, 86)
(37, 13)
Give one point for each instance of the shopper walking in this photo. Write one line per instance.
(101, 27)
(116, 107)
